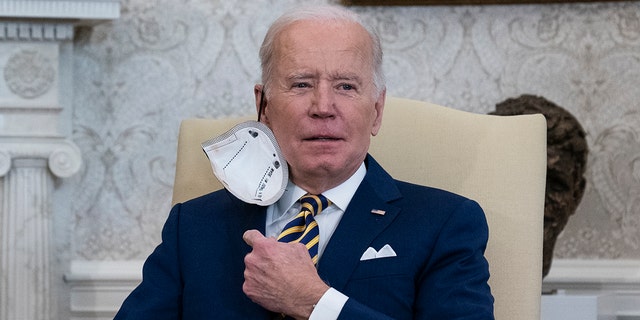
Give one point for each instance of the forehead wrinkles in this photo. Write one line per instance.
(296, 62)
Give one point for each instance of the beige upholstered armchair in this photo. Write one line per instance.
(498, 161)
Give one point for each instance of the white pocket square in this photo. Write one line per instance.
(384, 252)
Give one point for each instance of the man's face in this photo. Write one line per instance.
(322, 104)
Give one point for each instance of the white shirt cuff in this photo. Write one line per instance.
(329, 306)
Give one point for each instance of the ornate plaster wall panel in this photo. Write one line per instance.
(163, 61)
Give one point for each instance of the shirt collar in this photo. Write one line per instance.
(340, 195)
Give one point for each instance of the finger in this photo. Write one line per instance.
(250, 236)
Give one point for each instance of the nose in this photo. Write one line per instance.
(324, 102)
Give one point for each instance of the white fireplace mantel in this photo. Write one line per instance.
(79, 11)
(36, 20)
(36, 59)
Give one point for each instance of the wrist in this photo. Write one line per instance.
(308, 305)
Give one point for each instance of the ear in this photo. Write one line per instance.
(379, 108)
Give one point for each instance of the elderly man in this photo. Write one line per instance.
(384, 249)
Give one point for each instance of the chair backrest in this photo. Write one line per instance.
(498, 161)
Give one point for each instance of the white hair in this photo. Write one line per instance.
(319, 13)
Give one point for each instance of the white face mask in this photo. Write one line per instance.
(249, 163)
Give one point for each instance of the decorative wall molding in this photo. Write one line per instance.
(54, 20)
(83, 11)
(36, 31)
(29, 74)
(99, 287)
(574, 275)
(63, 156)
(610, 287)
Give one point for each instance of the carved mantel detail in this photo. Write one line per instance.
(36, 48)
(63, 158)
(29, 74)
(82, 11)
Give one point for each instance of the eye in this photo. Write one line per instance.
(300, 85)
(346, 86)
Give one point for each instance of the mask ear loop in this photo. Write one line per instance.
(263, 104)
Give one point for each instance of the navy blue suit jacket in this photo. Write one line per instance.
(439, 272)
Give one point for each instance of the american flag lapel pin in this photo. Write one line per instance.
(378, 212)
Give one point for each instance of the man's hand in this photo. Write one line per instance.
(281, 276)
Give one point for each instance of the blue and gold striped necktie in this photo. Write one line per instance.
(304, 228)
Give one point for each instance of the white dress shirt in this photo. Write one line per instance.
(285, 209)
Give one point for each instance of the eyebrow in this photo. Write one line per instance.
(301, 76)
(349, 76)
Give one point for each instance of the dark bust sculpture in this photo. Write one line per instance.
(566, 163)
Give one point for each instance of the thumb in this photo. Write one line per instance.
(250, 236)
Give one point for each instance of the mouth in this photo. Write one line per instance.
(322, 138)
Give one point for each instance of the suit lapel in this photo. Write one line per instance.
(252, 216)
(359, 226)
(245, 216)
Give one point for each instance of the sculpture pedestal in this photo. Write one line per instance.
(561, 306)
(604, 289)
